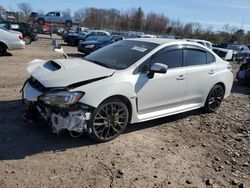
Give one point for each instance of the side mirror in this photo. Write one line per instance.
(157, 68)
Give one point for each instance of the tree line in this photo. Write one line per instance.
(135, 19)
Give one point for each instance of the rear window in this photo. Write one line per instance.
(195, 57)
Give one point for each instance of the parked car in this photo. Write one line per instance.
(10, 40)
(74, 38)
(90, 45)
(28, 31)
(129, 81)
(243, 75)
(148, 36)
(202, 42)
(241, 52)
(53, 17)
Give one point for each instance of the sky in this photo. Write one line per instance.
(206, 12)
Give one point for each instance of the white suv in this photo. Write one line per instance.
(129, 81)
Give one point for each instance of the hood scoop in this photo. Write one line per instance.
(51, 66)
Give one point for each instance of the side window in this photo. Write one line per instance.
(171, 58)
(145, 66)
(58, 14)
(210, 58)
(4, 25)
(195, 57)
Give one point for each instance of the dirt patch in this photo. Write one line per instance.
(187, 150)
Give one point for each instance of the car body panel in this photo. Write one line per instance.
(24, 28)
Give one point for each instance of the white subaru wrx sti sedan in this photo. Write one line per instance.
(129, 81)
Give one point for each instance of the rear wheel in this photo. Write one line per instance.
(108, 120)
(214, 98)
(3, 49)
(27, 39)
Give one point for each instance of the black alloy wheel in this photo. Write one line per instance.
(214, 99)
(108, 120)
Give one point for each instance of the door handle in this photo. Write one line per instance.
(211, 72)
(181, 77)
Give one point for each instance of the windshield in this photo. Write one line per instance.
(121, 55)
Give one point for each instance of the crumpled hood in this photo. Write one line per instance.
(65, 72)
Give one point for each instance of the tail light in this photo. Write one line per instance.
(21, 37)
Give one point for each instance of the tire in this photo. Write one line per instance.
(68, 23)
(27, 39)
(41, 21)
(108, 120)
(214, 98)
(3, 49)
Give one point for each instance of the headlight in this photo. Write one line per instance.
(61, 99)
(90, 46)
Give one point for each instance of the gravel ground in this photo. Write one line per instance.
(187, 150)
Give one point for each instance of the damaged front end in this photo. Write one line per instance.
(59, 107)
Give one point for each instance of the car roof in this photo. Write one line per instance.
(154, 40)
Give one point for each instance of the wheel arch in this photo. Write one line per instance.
(3, 44)
(125, 100)
(222, 84)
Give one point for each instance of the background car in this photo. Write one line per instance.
(90, 45)
(243, 75)
(74, 38)
(10, 40)
(28, 31)
(240, 52)
(53, 17)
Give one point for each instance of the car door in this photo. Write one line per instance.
(163, 91)
(201, 74)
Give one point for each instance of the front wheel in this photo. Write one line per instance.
(214, 98)
(108, 120)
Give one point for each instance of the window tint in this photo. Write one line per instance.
(195, 57)
(4, 25)
(210, 58)
(171, 58)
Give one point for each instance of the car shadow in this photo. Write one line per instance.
(7, 54)
(164, 120)
(240, 88)
(19, 139)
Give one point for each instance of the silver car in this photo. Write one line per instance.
(10, 40)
